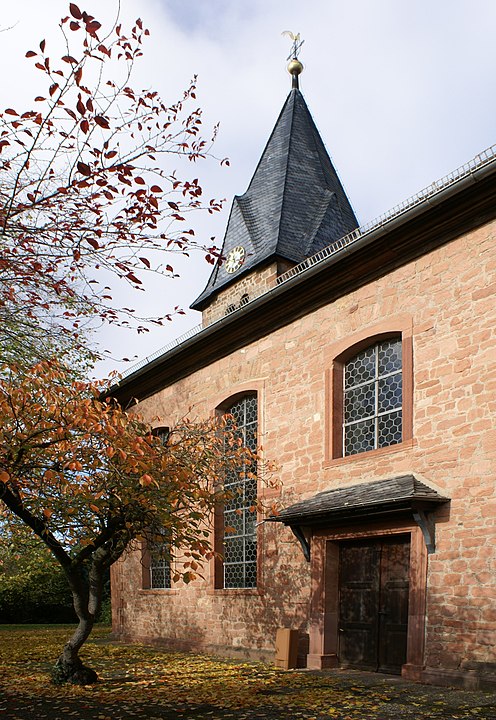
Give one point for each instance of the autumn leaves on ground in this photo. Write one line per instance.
(141, 682)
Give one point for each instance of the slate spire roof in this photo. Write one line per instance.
(295, 204)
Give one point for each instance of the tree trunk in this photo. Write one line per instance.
(69, 667)
(87, 595)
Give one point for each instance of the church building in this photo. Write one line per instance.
(363, 360)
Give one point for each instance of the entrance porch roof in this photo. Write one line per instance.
(365, 500)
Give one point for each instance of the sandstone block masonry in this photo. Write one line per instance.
(247, 288)
(445, 304)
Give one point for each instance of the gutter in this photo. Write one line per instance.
(307, 273)
(395, 222)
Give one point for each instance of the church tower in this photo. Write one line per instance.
(294, 206)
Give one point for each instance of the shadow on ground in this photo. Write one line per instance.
(143, 683)
(363, 696)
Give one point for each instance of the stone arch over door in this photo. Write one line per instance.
(324, 608)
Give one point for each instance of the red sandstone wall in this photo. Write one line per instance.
(448, 300)
(249, 287)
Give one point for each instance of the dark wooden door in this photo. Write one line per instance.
(373, 603)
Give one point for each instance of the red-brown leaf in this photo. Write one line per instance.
(31, 53)
(83, 168)
(42, 46)
(145, 261)
(93, 26)
(156, 189)
(104, 123)
(74, 25)
(75, 11)
(85, 126)
(69, 59)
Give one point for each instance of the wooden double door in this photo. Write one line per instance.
(373, 603)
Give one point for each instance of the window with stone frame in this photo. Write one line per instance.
(156, 562)
(156, 549)
(372, 398)
(238, 516)
(160, 569)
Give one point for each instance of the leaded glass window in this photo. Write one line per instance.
(372, 407)
(240, 539)
(160, 570)
(163, 434)
(158, 547)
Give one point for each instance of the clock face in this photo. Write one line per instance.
(235, 258)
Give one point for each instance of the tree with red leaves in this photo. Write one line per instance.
(84, 194)
(89, 480)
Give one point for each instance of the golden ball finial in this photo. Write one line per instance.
(295, 67)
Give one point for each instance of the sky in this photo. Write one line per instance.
(402, 93)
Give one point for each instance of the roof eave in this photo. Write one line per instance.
(403, 506)
(435, 221)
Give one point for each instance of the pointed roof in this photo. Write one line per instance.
(295, 204)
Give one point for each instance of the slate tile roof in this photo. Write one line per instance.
(403, 492)
(295, 204)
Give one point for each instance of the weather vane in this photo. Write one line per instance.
(295, 67)
(296, 46)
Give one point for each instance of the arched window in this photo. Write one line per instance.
(372, 398)
(156, 551)
(156, 561)
(239, 513)
(162, 432)
(160, 569)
